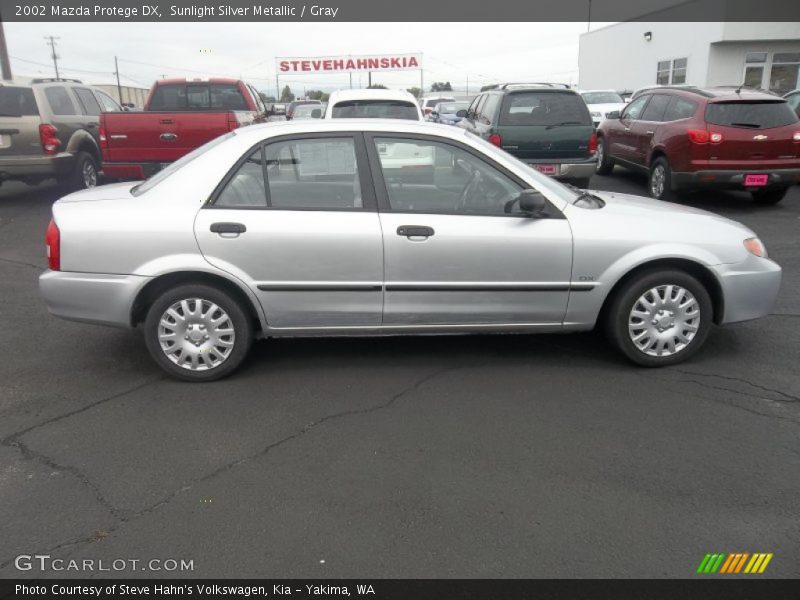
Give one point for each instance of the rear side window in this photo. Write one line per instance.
(656, 108)
(88, 101)
(376, 109)
(59, 100)
(544, 108)
(17, 102)
(197, 96)
(490, 108)
(753, 115)
(108, 103)
(679, 108)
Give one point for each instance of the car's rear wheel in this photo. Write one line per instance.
(659, 184)
(604, 162)
(197, 332)
(770, 196)
(85, 173)
(660, 318)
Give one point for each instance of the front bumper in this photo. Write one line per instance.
(36, 166)
(567, 169)
(91, 297)
(733, 179)
(749, 288)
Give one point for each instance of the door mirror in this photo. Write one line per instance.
(434, 115)
(461, 114)
(614, 114)
(531, 202)
(316, 113)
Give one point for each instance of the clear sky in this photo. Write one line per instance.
(481, 52)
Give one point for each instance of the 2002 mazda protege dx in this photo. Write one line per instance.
(314, 228)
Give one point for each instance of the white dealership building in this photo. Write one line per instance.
(632, 54)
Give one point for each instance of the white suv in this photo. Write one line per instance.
(373, 104)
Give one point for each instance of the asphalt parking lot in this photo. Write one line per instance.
(484, 456)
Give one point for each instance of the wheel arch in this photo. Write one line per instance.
(656, 153)
(83, 141)
(158, 285)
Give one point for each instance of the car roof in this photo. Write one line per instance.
(370, 94)
(276, 128)
(723, 93)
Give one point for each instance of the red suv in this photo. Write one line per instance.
(693, 138)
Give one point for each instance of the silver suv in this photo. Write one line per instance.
(49, 129)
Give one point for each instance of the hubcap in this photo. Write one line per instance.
(196, 334)
(599, 155)
(89, 174)
(657, 180)
(664, 320)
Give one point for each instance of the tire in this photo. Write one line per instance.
(770, 196)
(671, 292)
(605, 164)
(203, 354)
(84, 173)
(659, 182)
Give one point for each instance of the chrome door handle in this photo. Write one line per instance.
(627, 129)
(649, 132)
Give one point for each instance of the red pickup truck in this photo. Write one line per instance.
(179, 116)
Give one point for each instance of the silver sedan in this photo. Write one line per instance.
(368, 227)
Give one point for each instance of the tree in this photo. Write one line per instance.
(318, 95)
(441, 86)
(414, 91)
(377, 86)
(287, 95)
(488, 87)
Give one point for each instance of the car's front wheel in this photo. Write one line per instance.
(660, 317)
(604, 162)
(197, 332)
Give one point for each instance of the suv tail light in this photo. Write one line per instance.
(715, 137)
(796, 136)
(233, 122)
(593, 143)
(52, 240)
(47, 137)
(702, 136)
(103, 138)
(496, 140)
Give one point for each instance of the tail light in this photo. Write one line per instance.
(428, 110)
(698, 136)
(49, 140)
(715, 137)
(233, 122)
(796, 136)
(593, 144)
(496, 140)
(103, 138)
(52, 240)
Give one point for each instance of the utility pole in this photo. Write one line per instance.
(119, 87)
(277, 89)
(369, 81)
(52, 43)
(4, 62)
(467, 84)
(351, 80)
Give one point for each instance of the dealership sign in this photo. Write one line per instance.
(349, 64)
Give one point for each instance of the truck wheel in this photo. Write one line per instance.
(197, 332)
(770, 196)
(659, 318)
(604, 162)
(84, 173)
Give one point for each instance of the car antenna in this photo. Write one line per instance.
(739, 89)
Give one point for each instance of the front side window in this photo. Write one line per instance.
(89, 103)
(433, 177)
(634, 110)
(59, 100)
(376, 109)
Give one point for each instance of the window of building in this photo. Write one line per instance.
(672, 71)
(662, 75)
(783, 76)
(679, 70)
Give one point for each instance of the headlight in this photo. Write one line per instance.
(754, 246)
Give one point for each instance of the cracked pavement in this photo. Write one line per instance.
(480, 456)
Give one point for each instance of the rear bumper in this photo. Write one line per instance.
(569, 169)
(91, 297)
(749, 289)
(133, 171)
(37, 166)
(733, 179)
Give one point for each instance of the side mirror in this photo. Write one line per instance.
(461, 114)
(531, 202)
(434, 115)
(316, 113)
(614, 114)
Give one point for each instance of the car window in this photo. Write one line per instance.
(87, 100)
(479, 106)
(679, 108)
(245, 188)
(197, 96)
(59, 101)
(635, 108)
(751, 115)
(473, 107)
(434, 177)
(544, 108)
(602, 98)
(17, 102)
(656, 108)
(375, 109)
(489, 109)
(107, 102)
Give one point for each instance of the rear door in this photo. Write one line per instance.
(308, 241)
(19, 122)
(755, 134)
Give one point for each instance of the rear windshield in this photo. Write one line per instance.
(376, 109)
(17, 102)
(752, 115)
(544, 108)
(434, 101)
(602, 98)
(197, 96)
(452, 108)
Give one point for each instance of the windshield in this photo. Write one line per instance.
(602, 98)
(149, 184)
(452, 108)
(753, 115)
(376, 109)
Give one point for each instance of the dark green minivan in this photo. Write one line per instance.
(545, 125)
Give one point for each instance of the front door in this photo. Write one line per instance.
(296, 221)
(453, 255)
(623, 143)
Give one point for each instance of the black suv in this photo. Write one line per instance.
(547, 126)
(49, 128)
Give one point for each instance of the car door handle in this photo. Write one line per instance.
(415, 231)
(236, 228)
(627, 129)
(649, 132)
